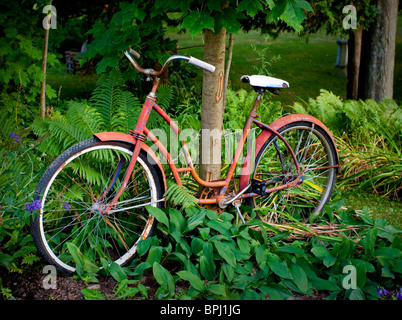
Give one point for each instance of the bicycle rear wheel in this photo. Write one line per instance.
(75, 190)
(316, 155)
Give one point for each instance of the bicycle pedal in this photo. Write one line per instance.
(258, 186)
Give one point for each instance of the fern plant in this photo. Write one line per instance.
(111, 108)
(369, 137)
(179, 195)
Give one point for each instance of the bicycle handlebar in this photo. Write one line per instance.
(151, 72)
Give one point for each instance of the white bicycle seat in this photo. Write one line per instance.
(265, 82)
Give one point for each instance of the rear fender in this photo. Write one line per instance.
(153, 159)
(248, 166)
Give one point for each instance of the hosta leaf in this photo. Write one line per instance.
(279, 267)
(225, 253)
(194, 280)
(163, 277)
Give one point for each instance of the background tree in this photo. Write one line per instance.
(371, 45)
(330, 16)
(378, 48)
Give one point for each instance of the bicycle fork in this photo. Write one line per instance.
(139, 136)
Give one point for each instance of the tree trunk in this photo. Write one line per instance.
(354, 52)
(212, 106)
(44, 62)
(227, 70)
(379, 80)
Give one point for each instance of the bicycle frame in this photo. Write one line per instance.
(139, 134)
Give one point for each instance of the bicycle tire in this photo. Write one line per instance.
(64, 191)
(315, 191)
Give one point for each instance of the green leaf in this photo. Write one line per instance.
(163, 277)
(139, 270)
(76, 254)
(250, 6)
(177, 236)
(225, 253)
(92, 294)
(388, 252)
(291, 12)
(386, 273)
(197, 245)
(177, 221)
(329, 260)
(196, 21)
(220, 226)
(158, 214)
(196, 219)
(361, 275)
(228, 19)
(228, 271)
(207, 268)
(320, 251)
(365, 216)
(292, 249)
(117, 272)
(272, 293)
(194, 280)
(143, 246)
(398, 266)
(123, 290)
(218, 289)
(322, 284)
(204, 232)
(110, 61)
(356, 294)
(299, 277)
(261, 256)
(6, 260)
(154, 255)
(279, 267)
(369, 241)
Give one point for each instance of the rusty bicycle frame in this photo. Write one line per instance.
(138, 135)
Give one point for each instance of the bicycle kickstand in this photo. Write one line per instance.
(236, 204)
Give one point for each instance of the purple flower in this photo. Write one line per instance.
(31, 206)
(15, 137)
(382, 292)
(398, 294)
(66, 206)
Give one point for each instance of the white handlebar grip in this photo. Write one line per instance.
(201, 64)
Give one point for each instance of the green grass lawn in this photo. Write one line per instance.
(72, 86)
(307, 66)
(379, 207)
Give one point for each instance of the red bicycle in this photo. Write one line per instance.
(95, 193)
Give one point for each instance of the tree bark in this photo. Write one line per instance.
(354, 56)
(379, 80)
(212, 106)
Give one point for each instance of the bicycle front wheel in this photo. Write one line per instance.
(75, 190)
(316, 155)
